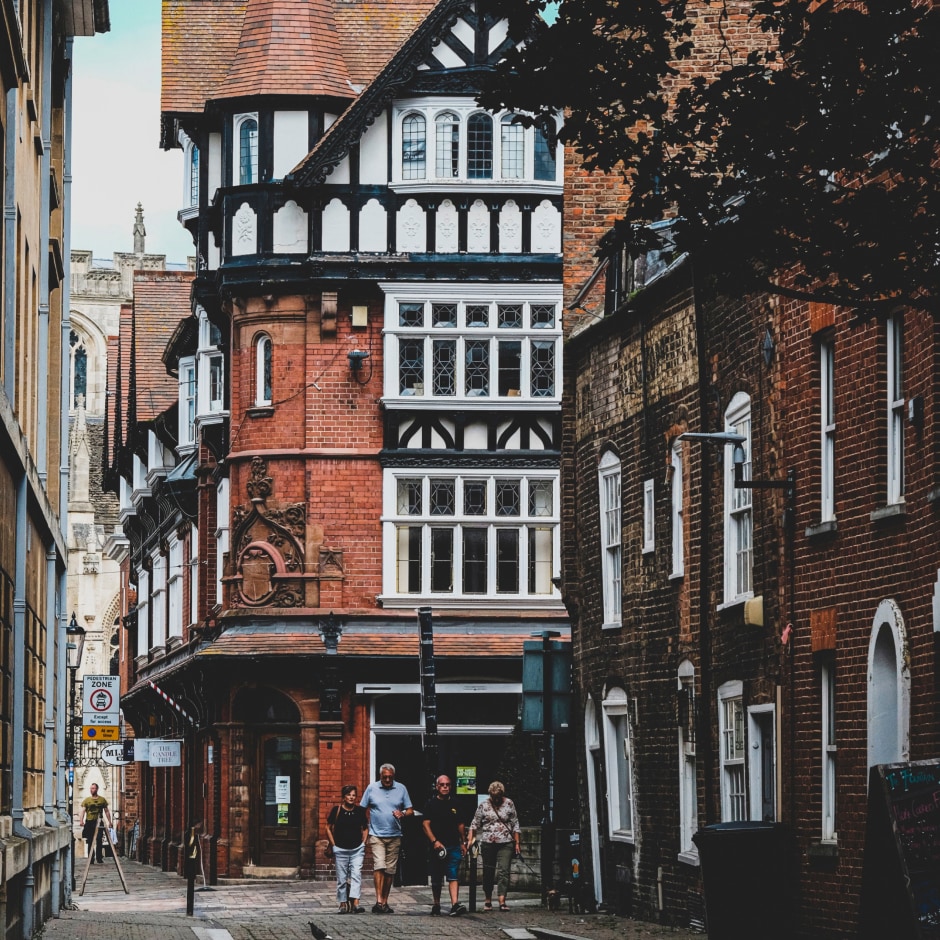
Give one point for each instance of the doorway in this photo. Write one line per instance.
(279, 812)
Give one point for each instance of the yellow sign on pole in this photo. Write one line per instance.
(100, 733)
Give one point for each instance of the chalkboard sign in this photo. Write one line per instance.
(901, 884)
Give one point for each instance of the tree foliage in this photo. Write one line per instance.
(808, 166)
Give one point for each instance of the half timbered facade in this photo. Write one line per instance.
(368, 420)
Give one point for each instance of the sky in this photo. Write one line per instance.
(116, 156)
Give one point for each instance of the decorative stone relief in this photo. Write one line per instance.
(290, 229)
(245, 231)
(412, 228)
(510, 228)
(447, 227)
(268, 548)
(373, 227)
(335, 226)
(478, 227)
(546, 229)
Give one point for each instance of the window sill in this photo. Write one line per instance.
(822, 849)
(435, 185)
(612, 626)
(735, 602)
(828, 527)
(677, 576)
(689, 857)
(622, 835)
(649, 550)
(891, 511)
(261, 411)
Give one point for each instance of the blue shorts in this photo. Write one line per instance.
(447, 867)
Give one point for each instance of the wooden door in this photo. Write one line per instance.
(279, 812)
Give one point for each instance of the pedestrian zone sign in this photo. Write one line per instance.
(101, 701)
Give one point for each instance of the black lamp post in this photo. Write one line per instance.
(75, 646)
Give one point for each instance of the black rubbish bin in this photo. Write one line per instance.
(748, 876)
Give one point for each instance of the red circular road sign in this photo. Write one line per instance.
(101, 700)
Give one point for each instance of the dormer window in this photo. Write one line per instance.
(480, 147)
(414, 147)
(263, 358)
(246, 142)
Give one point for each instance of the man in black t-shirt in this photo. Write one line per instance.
(445, 831)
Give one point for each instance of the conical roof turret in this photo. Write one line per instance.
(288, 47)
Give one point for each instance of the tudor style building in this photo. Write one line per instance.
(368, 422)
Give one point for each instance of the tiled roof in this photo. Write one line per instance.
(384, 645)
(303, 54)
(287, 47)
(199, 42)
(161, 300)
(374, 30)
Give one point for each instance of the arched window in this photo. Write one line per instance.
(79, 357)
(544, 155)
(413, 147)
(263, 370)
(247, 152)
(447, 145)
(480, 147)
(888, 688)
(618, 746)
(194, 175)
(512, 148)
(688, 779)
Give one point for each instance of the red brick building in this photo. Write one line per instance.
(367, 421)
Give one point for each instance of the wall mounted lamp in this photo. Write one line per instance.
(356, 358)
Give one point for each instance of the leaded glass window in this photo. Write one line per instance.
(543, 316)
(512, 148)
(410, 366)
(480, 147)
(443, 314)
(544, 156)
(474, 498)
(510, 367)
(248, 152)
(413, 147)
(509, 316)
(444, 378)
(409, 497)
(411, 315)
(443, 497)
(447, 129)
(508, 497)
(478, 367)
(543, 368)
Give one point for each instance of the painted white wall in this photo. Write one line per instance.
(373, 153)
(215, 164)
(290, 140)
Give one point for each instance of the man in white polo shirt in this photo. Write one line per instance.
(386, 802)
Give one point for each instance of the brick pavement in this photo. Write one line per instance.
(155, 909)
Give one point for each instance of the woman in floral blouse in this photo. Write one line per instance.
(496, 826)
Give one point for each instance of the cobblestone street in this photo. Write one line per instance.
(155, 909)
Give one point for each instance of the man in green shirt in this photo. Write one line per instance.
(92, 808)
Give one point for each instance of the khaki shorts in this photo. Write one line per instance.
(385, 853)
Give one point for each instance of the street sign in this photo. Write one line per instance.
(165, 754)
(113, 754)
(101, 733)
(101, 700)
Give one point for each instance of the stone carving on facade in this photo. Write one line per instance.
(245, 231)
(412, 230)
(268, 546)
(447, 227)
(510, 228)
(478, 227)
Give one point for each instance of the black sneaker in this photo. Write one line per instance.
(435, 910)
(457, 910)
(387, 910)
(377, 909)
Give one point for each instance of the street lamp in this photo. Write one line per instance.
(75, 646)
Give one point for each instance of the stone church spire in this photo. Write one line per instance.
(140, 233)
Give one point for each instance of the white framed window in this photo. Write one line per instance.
(143, 612)
(732, 752)
(827, 431)
(210, 368)
(174, 586)
(222, 512)
(676, 512)
(618, 747)
(473, 349)
(688, 772)
(414, 149)
(738, 513)
(470, 146)
(193, 162)
(263, 362)
(187, 402)
(158, 599)
(895, 352)
(611, 535)
(246, 149)
(828, 779)
(472, 536)
(649, 517)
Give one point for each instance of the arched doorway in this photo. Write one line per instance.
(888, 688)
(272, 738)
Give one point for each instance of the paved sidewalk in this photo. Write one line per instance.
(155, 909)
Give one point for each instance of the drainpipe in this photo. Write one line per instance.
(63, 725)
(9, 248)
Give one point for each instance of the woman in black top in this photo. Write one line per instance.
(347, 828)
